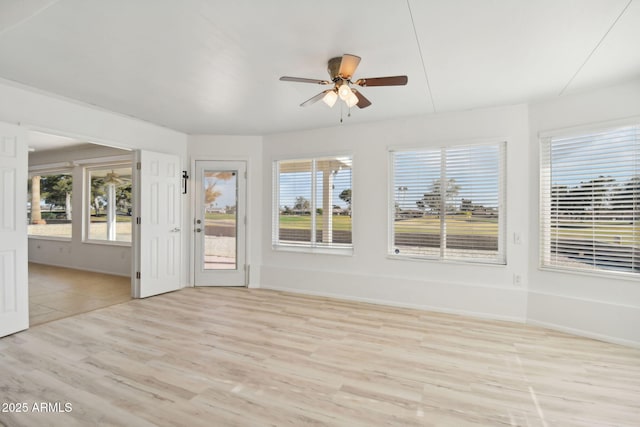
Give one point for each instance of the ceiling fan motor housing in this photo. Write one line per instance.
(334, 67)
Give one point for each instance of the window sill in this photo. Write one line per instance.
(107, 243)
(598, 274)
(346, 251)
(474, 262)
(52, 238)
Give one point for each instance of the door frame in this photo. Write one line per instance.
(192, 186)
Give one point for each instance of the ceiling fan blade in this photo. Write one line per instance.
(303, 80)
(315, 99)
(383, 81)
(362, 101)
(348, 65)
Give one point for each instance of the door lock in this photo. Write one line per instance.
(198, 230)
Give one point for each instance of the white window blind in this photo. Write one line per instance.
(448, 203)
(312, 203)
(590, 194)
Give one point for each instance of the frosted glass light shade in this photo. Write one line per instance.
(330, 98)
(344, 91)
(352, 99)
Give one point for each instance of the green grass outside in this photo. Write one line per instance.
(103, 218)
(608, 232)
(219, 216)
(431, 225)
(303, 222)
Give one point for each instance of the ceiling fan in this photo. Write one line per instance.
(341, 71)
(114, 178)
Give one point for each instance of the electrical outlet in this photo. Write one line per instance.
(517, 279)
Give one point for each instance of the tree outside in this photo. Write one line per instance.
(433, 199)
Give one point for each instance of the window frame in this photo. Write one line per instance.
(86, 208)
(53, 169)
(307, 247)
(545, 172)
(501, 257)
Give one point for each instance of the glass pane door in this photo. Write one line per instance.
(220, 201)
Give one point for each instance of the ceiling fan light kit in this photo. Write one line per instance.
(330, 98)
(341, 70)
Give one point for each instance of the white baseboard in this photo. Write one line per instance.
(584, 333)
(92, 270)
(479, 315)
(602, 320)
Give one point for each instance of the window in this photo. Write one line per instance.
(109, 203)
(312, 203)
(590, 201)
(448, 203)
(49, 205)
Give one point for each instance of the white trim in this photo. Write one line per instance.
(104, 161)
(590, 128)
(312, 246)
(51, 167)
(478, 315)
(313, 156)
(81, 268)
(583, 333)
(107, 242)
(448, 144)
(545, 196)
(345, 251)
(49, 238)
(601, 274)
(458, 261)
(582, 299)
(86, 210)
(499, 143)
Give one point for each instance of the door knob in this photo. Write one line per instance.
(198, 230)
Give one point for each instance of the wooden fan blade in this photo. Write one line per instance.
(303, 80)
(348, 65)
(383, 81)
(362, 101)
(315, 99)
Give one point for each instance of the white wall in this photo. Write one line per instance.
(74, 253)
(249, 149)
(369, 275)
(596, 306)
(44, 112)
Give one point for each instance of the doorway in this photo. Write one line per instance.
(79, 226)
(220, 223)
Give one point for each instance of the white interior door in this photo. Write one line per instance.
(158, 242)
(14, 290)
(220, 223)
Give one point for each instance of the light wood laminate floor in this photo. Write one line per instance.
(242, 357)
(58, 292)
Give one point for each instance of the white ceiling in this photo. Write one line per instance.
(212, 66)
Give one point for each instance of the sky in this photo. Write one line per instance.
(295, 184)
(475, 170)
(226, 187)
(618, 157)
